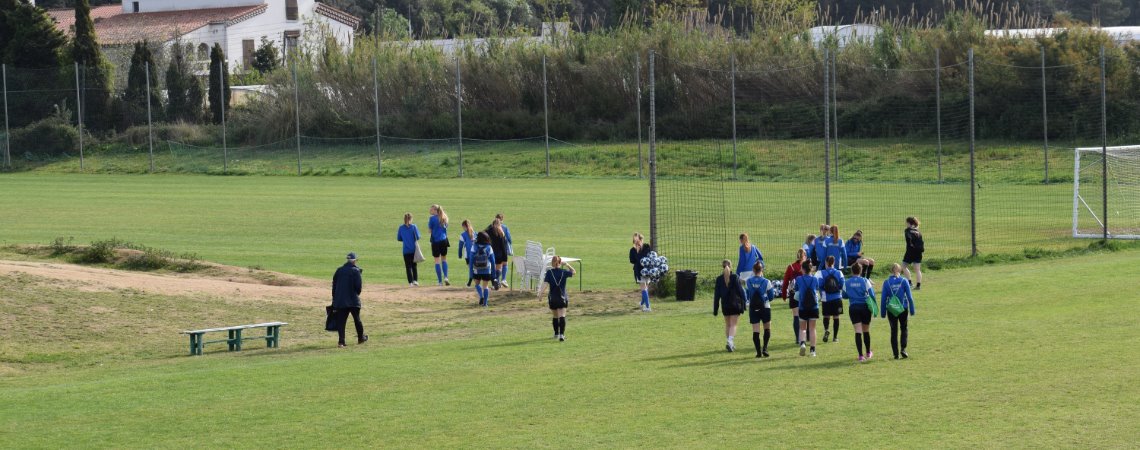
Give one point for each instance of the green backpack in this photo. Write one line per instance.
(894, 303)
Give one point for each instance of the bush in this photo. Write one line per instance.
(61, 246)
(187, 133)
(46, 138)
(99, 252)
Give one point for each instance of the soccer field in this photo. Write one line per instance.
(1032, 354)
(305, 225)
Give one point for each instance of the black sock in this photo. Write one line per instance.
(756, 341)
(859, 343)
(561, 325)
(796, 326)
(836, 329)
(554, 323)
(826, 323)
(767, 334)
(867, 340)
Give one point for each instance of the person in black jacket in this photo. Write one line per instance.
(914, 249)
(729, 297)
(640, 250)
(346, 287)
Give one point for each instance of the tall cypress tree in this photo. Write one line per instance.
(136, 93)
(95, 77)
(219, 96)
(28, 37)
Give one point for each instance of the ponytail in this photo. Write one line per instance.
(727, 270)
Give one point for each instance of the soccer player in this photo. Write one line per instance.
(640, 250)
(836, 249)
(483, 265)
(854, 248)
(859, 293)
(437, 225)
(900, 287)
(409, 233)
(819, 246)
(807, 287)
(914, 250)
(832, 287)
(467, 246)
(759, 291)
(729, 296)
(749, 256)
(557, 299)
(793, 271)
(499, 245)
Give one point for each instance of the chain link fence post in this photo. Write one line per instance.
(637, 87)
(79, 113)
(222, 106)
(376, 105)
(7, 132)
(938, 105)
(546, 113)
(827, 135)
(1104, 147)
(459, 110)
(1044, 115)
(149, 120)
(732, 75)
(973, 181)
(835, 110)
(297, 114)
(652, 155)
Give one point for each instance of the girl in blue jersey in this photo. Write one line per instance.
(760, 294)
(483, 266)
(437, 225)
(897, 286)
(809, 243)
(557, 299)
(854, 249)
(409, 233)
(859, 292)
(836, 249)
(640, 250)
(807, 294)
(729, 296)
(749, 256)
(819, 246)
(499, 244)
(467, 246)
(831, 283)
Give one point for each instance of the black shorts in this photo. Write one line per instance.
(912, 257)
(440, 248)
(860, 314)
(809, 314)
(483, 277)
(762, 315)
(556, 303)
(793, 303)
(833, 308)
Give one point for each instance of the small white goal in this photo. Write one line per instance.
(1106, 192)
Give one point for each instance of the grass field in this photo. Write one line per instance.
(1037, 354)
(304, 225)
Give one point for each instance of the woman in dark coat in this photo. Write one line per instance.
(729, 298)
(499, 246)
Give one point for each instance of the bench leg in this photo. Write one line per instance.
(237, 340)
(230, 340)
(194, 339)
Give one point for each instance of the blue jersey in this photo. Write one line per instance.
(487, 269)
(835, 248)
(805, 283)
(896, 286)
(858, 290)
(466, 245)
(748, 258)
(823, 276)
(819, 250)
(438, 229)
(853, 248)
(408, 234)
(758, 289)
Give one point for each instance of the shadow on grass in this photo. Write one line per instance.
(508, 344)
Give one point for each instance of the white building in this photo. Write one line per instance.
(237, 25)
(844, 34)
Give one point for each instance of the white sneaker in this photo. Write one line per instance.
(504, 284)
(446, 282)
(415, 283)
(803, 349)
(561, 337)
(813, 354)
(411, 285)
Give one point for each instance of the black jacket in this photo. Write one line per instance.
(729, 298)
(914, 240)
(635, 258)
(346, 286)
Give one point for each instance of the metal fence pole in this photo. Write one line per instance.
(376, 104)
(7, 132)
(938, 105)
(459, 111)
(732, 74)
(297, 114)
(149, 119)
(79, 113)
(546, 113)
(835, 110)
(1104, 147)
(973, 181)
(652, 155)
(826, 136)
(222, 96)
(637, 87)
(1044, 115)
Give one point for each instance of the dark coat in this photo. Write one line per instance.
(729, 298)
(346, 286)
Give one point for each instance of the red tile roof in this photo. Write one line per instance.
(65, 18)
(127, 28)
(337, 15)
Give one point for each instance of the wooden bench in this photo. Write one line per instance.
(234, 339)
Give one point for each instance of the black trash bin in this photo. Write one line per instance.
(686, 285)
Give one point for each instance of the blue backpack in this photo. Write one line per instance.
(482, 259)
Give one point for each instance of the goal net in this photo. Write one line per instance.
(1106, 200)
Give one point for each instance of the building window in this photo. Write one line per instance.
(135, 5)
(291, 39)
(203, 51)
(247, 53)
(290, 9)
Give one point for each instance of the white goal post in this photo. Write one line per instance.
(1120, 189)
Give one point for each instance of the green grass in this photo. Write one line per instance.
(1034, 354)
(304, 225)
(889, 160)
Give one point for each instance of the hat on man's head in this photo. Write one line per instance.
(351, 255)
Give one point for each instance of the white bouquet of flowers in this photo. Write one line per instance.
(654, 266)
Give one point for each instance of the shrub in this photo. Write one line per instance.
(49, 137)
(99, 252)
(61, 246)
